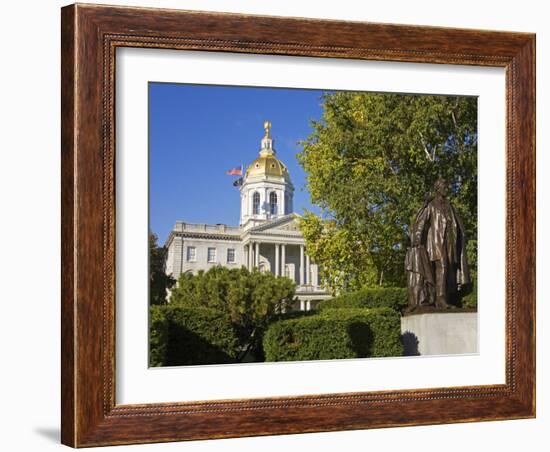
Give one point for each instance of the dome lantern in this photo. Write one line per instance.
(267, 142)
(267, 164)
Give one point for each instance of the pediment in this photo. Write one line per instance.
(286, 224)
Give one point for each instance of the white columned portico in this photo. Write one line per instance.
(276, 272)
(301, 265)
(257, 255)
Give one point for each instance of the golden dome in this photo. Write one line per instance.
(267, 166)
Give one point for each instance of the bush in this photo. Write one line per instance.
(384, 324)
(158, 335)
(469, 300)
(183, 336)
(252, 299)
(384, 297)
(335, 334)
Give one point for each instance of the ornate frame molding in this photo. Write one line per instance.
(90, 37)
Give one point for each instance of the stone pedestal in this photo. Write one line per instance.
(440, 333)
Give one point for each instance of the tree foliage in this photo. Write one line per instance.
(370, 161)
(250, 299)
(159, 281)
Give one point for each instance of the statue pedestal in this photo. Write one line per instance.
(440, 333)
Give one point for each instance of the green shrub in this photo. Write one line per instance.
(158, 333)
(469, 300)
(335, 334)
(252, 299)
(384, 324)
(383, 297)
(182, 336)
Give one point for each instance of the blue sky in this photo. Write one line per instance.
(197, 132)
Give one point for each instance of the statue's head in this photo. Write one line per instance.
(441, 187)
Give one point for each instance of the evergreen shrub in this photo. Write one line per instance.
(383, 297)
(183, 335)
(335, 334)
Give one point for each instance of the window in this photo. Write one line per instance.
(273, 203)
(256, 203)
(230, 256)
(211, 255)
(287, 271)
(191, 254)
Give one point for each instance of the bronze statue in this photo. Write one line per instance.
(436, 264)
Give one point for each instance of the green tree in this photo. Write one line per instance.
(159, 281)
(370, 162)
(251, 299)
(334, 249)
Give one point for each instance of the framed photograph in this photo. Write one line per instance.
(281, 225)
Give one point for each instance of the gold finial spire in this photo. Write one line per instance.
(267, 127)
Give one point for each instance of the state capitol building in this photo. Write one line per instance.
(268, 237)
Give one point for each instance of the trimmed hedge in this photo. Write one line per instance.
(335, 334)
(183, 336)
(384, 297)
(470, 300)
(384, 323)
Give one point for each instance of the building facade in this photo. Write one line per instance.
(268, 237)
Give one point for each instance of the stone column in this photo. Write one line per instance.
(301, 267)
(316, 276)
(308, 269)
(257, 255)
(182, 255)
(283, 259)
(276, 272)
(302, 305)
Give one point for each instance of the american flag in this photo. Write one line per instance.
(235, 171)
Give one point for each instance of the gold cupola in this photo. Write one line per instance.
(267, 164)
(266, 190)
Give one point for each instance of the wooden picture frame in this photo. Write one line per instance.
(90, 36)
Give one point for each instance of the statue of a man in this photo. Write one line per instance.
(436, 264)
